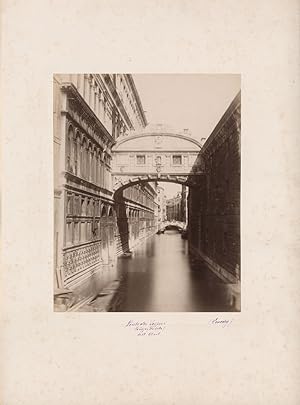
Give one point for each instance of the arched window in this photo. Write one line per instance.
(103, 211)
(92, 207)
(87, 162)
(92, 165)
(71, 150)
(104, 110)
(78, 155)
(69, 204)
(99, 112)
(102, 170)
(97, 169)
(83, 159)
(95, 166)
(69, 142)
(83, 207)
(97, 209)
(74, 155)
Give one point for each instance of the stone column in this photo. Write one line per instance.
(81, 84)
(97, 103)
(86, 88)
(91, 97)
(78, 156)
(59, 203)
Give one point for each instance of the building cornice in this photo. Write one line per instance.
(116, 100)
(89, 187)
(137, 97)
(135, 204)
(231, 117)
(140, 151)
(86, 111)
(155, 134)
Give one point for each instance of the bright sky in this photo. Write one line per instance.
(193, 101)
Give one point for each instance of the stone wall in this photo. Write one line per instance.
(214, 207)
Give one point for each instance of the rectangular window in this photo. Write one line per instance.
(141, 159)
(177, 159)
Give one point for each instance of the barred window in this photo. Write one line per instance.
(177, 159)
(158, 160)
(141, 159)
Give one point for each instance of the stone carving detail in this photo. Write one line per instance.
(189, 179)
(158, 141)
(118, 181)
(87, 121)
(80, 259)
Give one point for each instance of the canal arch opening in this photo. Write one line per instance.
(153, 215)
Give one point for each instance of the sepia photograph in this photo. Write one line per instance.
(150, 238)
(147, 192)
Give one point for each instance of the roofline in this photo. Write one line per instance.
(234, 105)
(144, 134)
(137, 96)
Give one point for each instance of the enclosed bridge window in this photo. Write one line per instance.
(177, 160)
(141, 159)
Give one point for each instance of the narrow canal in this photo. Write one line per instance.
(161, 276)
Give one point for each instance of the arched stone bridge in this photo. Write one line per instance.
(176, 224)
(153, 156)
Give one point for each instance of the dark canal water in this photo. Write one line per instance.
(161, 276)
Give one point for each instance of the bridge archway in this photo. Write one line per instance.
(179, 225)
(147, 158)
(189, 181)
(153, 156)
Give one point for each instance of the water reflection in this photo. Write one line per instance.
(161, 276)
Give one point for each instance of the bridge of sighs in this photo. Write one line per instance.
(153, 156)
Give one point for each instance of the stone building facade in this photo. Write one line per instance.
(184, 208)
(214, 207)
(137, 216)
(90, 112)
(162, 205)
(176, 207)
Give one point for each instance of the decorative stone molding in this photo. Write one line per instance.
(83, 115)
(126, 181)
(79, 259)
(57, 193)
(157, 138)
